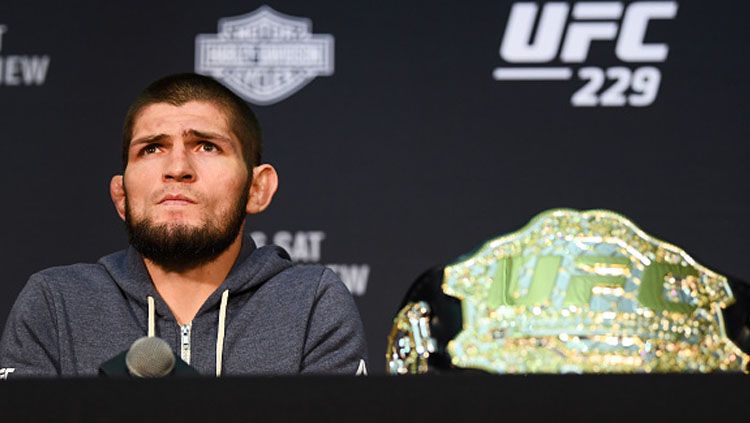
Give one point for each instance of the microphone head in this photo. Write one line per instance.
(150, 357)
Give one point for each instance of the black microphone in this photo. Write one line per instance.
(148, 357)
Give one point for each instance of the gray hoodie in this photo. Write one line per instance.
(268, 317)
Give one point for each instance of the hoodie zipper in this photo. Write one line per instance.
(185, 342)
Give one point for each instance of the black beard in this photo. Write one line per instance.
(182, 247)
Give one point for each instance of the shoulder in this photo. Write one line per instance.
(49, 291)
(76, 278)
(74, 274)
(326, 286)
(309, 285)
(313, 276)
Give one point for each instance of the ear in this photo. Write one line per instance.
(265, 183)
(117, 192)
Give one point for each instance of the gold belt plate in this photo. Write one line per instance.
(589, 291)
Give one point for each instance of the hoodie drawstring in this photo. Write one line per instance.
(151, 317)
(220, 332)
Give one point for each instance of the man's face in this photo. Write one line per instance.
(186, 183)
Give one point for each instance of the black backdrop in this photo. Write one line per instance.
(410, 154)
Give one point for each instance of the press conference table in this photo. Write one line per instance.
(454, 398)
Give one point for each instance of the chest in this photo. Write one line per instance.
(255, 342)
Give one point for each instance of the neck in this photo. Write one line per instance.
(185, 291)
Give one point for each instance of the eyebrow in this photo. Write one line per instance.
(191, 132)
(207, 135)
(149, 139)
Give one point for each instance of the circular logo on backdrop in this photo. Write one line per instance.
(264, 56)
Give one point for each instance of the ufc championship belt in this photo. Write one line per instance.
(573, 292)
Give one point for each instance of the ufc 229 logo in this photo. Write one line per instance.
(561, 32)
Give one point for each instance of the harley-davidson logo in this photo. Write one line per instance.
(264, 56)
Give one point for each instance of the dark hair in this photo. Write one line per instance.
(185, 87)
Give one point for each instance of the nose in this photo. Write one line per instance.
(178, 166)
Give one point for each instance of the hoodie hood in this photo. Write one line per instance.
(253, 267)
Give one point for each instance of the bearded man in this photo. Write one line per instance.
(192, 172)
